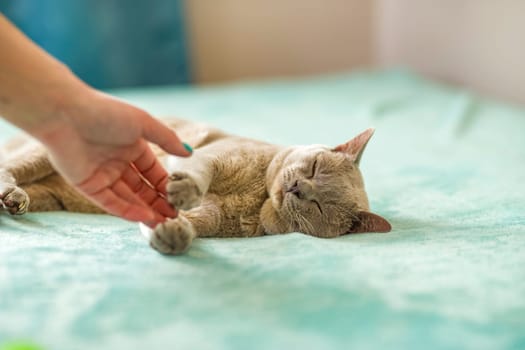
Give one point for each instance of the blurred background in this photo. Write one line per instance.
(121, 43)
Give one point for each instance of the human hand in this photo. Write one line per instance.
(99, 144)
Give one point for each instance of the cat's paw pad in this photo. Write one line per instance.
(183, 192)
(14, 200)
(173, 236)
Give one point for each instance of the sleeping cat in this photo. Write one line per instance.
(230, 187)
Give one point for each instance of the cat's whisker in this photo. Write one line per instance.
(291, 210)
(301, 223)
(304, 224)
(308, 226)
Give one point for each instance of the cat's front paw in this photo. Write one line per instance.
(183, 192)
(173, 236)
(14, 199)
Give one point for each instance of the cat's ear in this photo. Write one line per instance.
(369, 222)
(355, 147)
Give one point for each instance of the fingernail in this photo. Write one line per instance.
(188, 147)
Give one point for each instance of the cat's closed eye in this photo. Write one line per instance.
(314, 169)
(318, 206)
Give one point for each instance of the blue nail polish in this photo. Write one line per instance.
(188, 147)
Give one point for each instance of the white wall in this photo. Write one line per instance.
(477, 43)
(234, 39)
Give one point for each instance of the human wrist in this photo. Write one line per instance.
(35, 92)
(50, 112)
(33, 84)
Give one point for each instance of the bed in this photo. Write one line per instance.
(445, 166)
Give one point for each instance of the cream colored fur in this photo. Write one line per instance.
(230, 187)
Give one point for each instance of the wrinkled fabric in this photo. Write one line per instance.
(445, 167)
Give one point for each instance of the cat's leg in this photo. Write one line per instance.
(188, 183)
(54, 193)
(13, 199)
(25, 162)
(190, 179)
(175, 235)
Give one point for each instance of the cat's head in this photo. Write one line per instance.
(319, 190)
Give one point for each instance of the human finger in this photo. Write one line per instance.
(162, 206)
(138, 185)
(123, 191)
(112, 201)
(148, 194)
(148, 166)
(158, 133)
(103, 177)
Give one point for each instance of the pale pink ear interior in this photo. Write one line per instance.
(355, 147)
(369, 222)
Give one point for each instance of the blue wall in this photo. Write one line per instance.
(109, 43)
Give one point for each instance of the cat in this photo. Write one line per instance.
(230, 187)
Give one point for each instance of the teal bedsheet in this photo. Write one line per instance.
(446, 167)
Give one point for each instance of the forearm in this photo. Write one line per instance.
(34, 86)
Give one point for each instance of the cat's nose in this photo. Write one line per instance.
(301, 188)
(294, 189)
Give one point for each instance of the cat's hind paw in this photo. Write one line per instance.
(173, 236)
(183, 192)
(14, 200)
